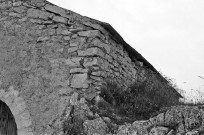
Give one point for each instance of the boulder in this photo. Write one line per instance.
(96, 127)
(158, 131)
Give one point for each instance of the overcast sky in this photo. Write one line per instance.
(168, 33)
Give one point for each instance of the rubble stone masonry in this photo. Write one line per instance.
(48, 53)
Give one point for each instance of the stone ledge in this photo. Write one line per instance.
(55, 9)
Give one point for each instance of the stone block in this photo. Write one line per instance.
(142, 126)
(60, 19)
(73, 62)
(67, 38)
(74, 43)
(97, 73)
(74, 98)
(158, 120)
(100, 44)
(36, 21)
(91, 33)
(20, 9)
(159, 131)
(14, 14)
(88, 62)
(35, 13)
(97, 78)
(59, 31)
(5, 5)
(95, 26)
(114, 55)
(42, 39)
(65, 32)
(72, 49)
(51, 32)
(18, 3)
(80, 81)
(91, 52)
(55, 9)
(37, 3)
(78, 41)
(108, 58)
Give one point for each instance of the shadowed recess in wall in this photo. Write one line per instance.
(7, 121)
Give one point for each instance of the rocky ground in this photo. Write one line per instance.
(176, 120)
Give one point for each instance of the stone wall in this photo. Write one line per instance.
(48, 54)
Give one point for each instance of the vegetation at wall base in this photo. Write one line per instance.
(140, 101)
(73, 125)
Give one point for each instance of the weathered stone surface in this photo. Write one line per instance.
(35, 13)
(158, 120)
(5, 5)
(125, 130)
(72, 49)
(73, 62)
(142, 127)
(74, 98)
(65, 32)
(80, 81)
(159, 131)
(65, 91)
(67, 38)
(51, 32)
(18, 3)
(91, 33)
(20, 9)
(94, 25)
(60, 19)
(108, 58)
(55, 9)
(78, 41)
(100, 44)
(94, 127)
(37, 3)
(91, 52)
(89, 62)
(41, 39)
(14, 14)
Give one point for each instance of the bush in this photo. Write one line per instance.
(73, 126)
(140, 100)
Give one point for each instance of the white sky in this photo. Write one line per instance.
(168, 33)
